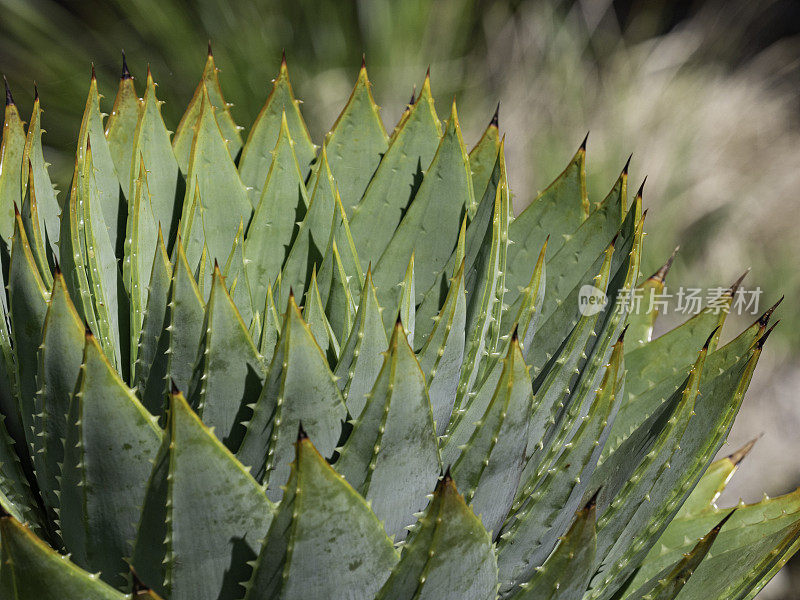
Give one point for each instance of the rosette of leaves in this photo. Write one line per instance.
(253, 367)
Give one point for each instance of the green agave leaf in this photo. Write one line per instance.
(140, 249)
(557, 212)
(429, 228)
(644, 309)
(257, 152)
(347, 269)
(31, 222)
(485, 285)
(625, 484)
(314, 315)
(216, 199)
(12, 151)
(312, 237)
(151, 146)
(566, 574)
(186, 317)
(392, 455)
(229, 372)
(283, 204)
(748, 523)
(543, 512)
(470, 243)
(722, 396)
(16, 496)
(742, 573)
(568, 260)
(105, 281)
(60, 357)
(608, 329)
(395, 183)
(659, 364)
(31, 570)
(668, 584)
(27, 300)
(235, 273)
(483, 156)
(324, 542)
(361, 359)
(407, 302)
(203, 515)
(448, 555)
(45, 192)
(151, 359)
(271, 328)
(443, 353)
(110, 443)
(711, 484)
(528, 306)
(299, 387)
(108, 197)
(356, 143)
(121, 127)
(490, 464)
(208, 91)
(340, 307)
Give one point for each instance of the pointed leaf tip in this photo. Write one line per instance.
(627, 165)
(283, 57)
(738, 456)
(661, 274)
(723, 521)
(173, 388)
(641, 188)
(583, 143)
(35, 92)
(301, 433)
(126, 74)
(764, 319)
(711, 337)
(94, 75)
(515, 333)
(413, 95)
(87, 331)
(495, 122)
(735, 285)
(210, 52)
(363, 61)
(9, 97)
(622, 335)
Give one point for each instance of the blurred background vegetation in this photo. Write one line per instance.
(704, 93)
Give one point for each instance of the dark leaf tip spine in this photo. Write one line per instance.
(622, 335)
(711, 337)
(210, 52)
(495, 122)
(9, 97)
(627, 165)
(173, 388)
(301, 433)
(126, 74)
(641, 188)
(763, 320)
(738, 456)
(724, 520)
(735, 285)
(661, 274)
(593, 500)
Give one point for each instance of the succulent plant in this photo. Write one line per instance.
(255, 368)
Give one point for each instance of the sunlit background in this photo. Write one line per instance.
(705, 95)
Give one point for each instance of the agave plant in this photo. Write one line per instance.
(265, 369)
